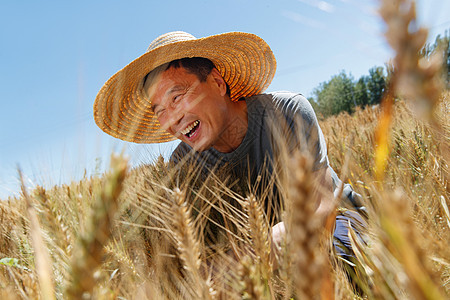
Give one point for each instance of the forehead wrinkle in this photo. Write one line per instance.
(174, 89)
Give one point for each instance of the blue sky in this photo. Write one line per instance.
(55, 56)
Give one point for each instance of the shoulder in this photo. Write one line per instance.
(180, 152)
(289, 104)
(293, 103)
(282, 100)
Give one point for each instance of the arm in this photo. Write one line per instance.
(325, 209)
(303, 133)
(326, 203)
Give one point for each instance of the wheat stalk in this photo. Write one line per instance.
(417, 79)
(258, 231)
(42, 258)
(188, 247)
(88, 254)
(403, 242)
(304, 229)
(252, 288)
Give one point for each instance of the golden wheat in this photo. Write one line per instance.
(175, 233)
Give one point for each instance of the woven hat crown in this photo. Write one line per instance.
(169, 38)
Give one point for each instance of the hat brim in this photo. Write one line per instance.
(244, 60)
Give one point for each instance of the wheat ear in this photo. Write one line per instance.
(304, 229)
(43, 262)
(188, 246)
(250, 280)
(403, 242)
(89, 249)
(258, 229)
(416, 78)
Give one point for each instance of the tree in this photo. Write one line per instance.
(342, 94)
(336, 95)
(376, 84)
(361, 91)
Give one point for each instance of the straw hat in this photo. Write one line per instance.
(244, 60)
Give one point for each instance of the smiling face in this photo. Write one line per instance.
(199, 113)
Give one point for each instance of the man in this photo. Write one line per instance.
(206, 93)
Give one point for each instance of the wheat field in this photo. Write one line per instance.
(158, 232)
(144, 233)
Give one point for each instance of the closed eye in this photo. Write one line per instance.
(179, 94)
(177, 98)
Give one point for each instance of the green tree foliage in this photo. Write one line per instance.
(376, 84)
(335, 96)
(342, 93)
(361, 91)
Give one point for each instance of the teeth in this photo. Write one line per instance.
(189, 128)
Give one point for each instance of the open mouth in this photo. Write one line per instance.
(191, 129)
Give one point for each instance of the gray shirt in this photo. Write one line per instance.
(274, 121)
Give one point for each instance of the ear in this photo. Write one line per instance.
(219, 81)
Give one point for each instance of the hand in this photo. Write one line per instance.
(278, 238)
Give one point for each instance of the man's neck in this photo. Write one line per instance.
(235, 132)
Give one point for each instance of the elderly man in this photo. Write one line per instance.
(207, 93)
